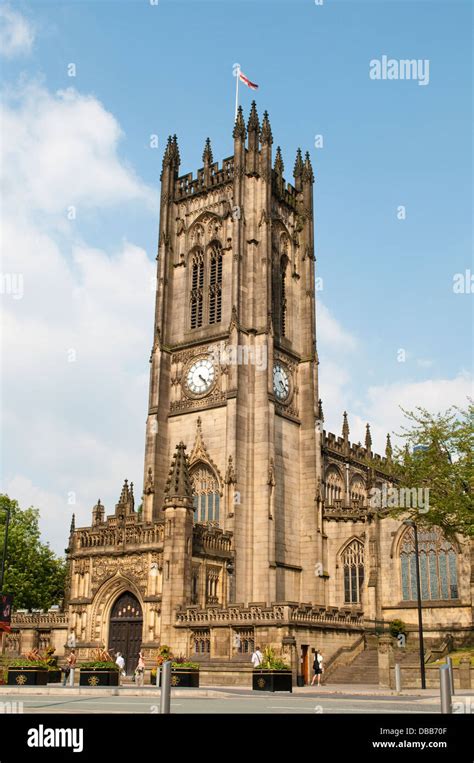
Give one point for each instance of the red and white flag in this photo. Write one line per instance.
(247, 82)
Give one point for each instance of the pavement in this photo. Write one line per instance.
(129, 690)
(227, 700)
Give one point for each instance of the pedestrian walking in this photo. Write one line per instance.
(70, 665)
(121, 663)
(140, 670)
(317, 667)
(257, 658)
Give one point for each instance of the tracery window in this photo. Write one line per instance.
(357, 490)
(206, 495)
(353, 566)
(334, 487)
(201, 641)
(197, 289)
(215, 283)
(212, 585)
(438, 569)
(244, 640)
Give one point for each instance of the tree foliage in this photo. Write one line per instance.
(438, 456)
(33, 573)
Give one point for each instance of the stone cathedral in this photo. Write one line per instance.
(254, 525)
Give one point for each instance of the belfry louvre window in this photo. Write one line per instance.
(353, 565)
(215, 284)
(197, 289)
(283, 304)
(438, 569)
(206, 495)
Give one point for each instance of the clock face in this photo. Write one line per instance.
(281, 382)
(200, 376)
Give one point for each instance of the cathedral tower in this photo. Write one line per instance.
(234, 363)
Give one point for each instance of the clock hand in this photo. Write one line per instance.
(202, 377)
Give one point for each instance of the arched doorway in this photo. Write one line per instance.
(126, 627)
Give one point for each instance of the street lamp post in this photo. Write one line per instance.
(411, 523)
(4, 554)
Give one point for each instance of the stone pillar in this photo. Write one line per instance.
(177, 544)
(385, 660)
(465, 673)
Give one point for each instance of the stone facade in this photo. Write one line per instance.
(262, 530)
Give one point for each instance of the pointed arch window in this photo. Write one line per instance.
(197, 288)
(215, 283)
(206, 495)
(283, 300)
(357, 490)
(334, 487)
(438, 568)
(353, 566)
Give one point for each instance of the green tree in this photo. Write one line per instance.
(33, 572)
(438, 455)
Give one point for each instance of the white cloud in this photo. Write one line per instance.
(330, 332)
(379, 405)
(383, 403)
(60, 150)
(72, 427)
(16, 33)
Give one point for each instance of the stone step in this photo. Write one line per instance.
(363, 670)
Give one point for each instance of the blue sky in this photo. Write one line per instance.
(143, 70)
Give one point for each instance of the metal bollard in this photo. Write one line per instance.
(71, 677)
(449, 663)
(398, 677)
(158, 673)
(165, 687)
(445, 690)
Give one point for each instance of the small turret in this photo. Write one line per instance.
(253, 132)
(239, 132)
(266, 137)
(179, 489)
(98, 513)
(126, 503)
(368, 439)
(298, 170)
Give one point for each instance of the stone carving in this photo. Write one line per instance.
(230, 475)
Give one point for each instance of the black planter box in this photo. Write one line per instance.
(186, 678)
(272, 680)
(27, 677)
(91, 677)
(54, 676)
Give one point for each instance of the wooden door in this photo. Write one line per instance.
(126, 628)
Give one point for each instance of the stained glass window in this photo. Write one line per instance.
(438, 571)
(206, 495)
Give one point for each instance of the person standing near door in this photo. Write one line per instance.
(121, 663)
(317, 667)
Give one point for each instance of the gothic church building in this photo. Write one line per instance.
(254, 524)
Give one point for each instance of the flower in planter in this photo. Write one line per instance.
(271, 661)
(99, 665)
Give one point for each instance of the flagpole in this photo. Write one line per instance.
(237, 77)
